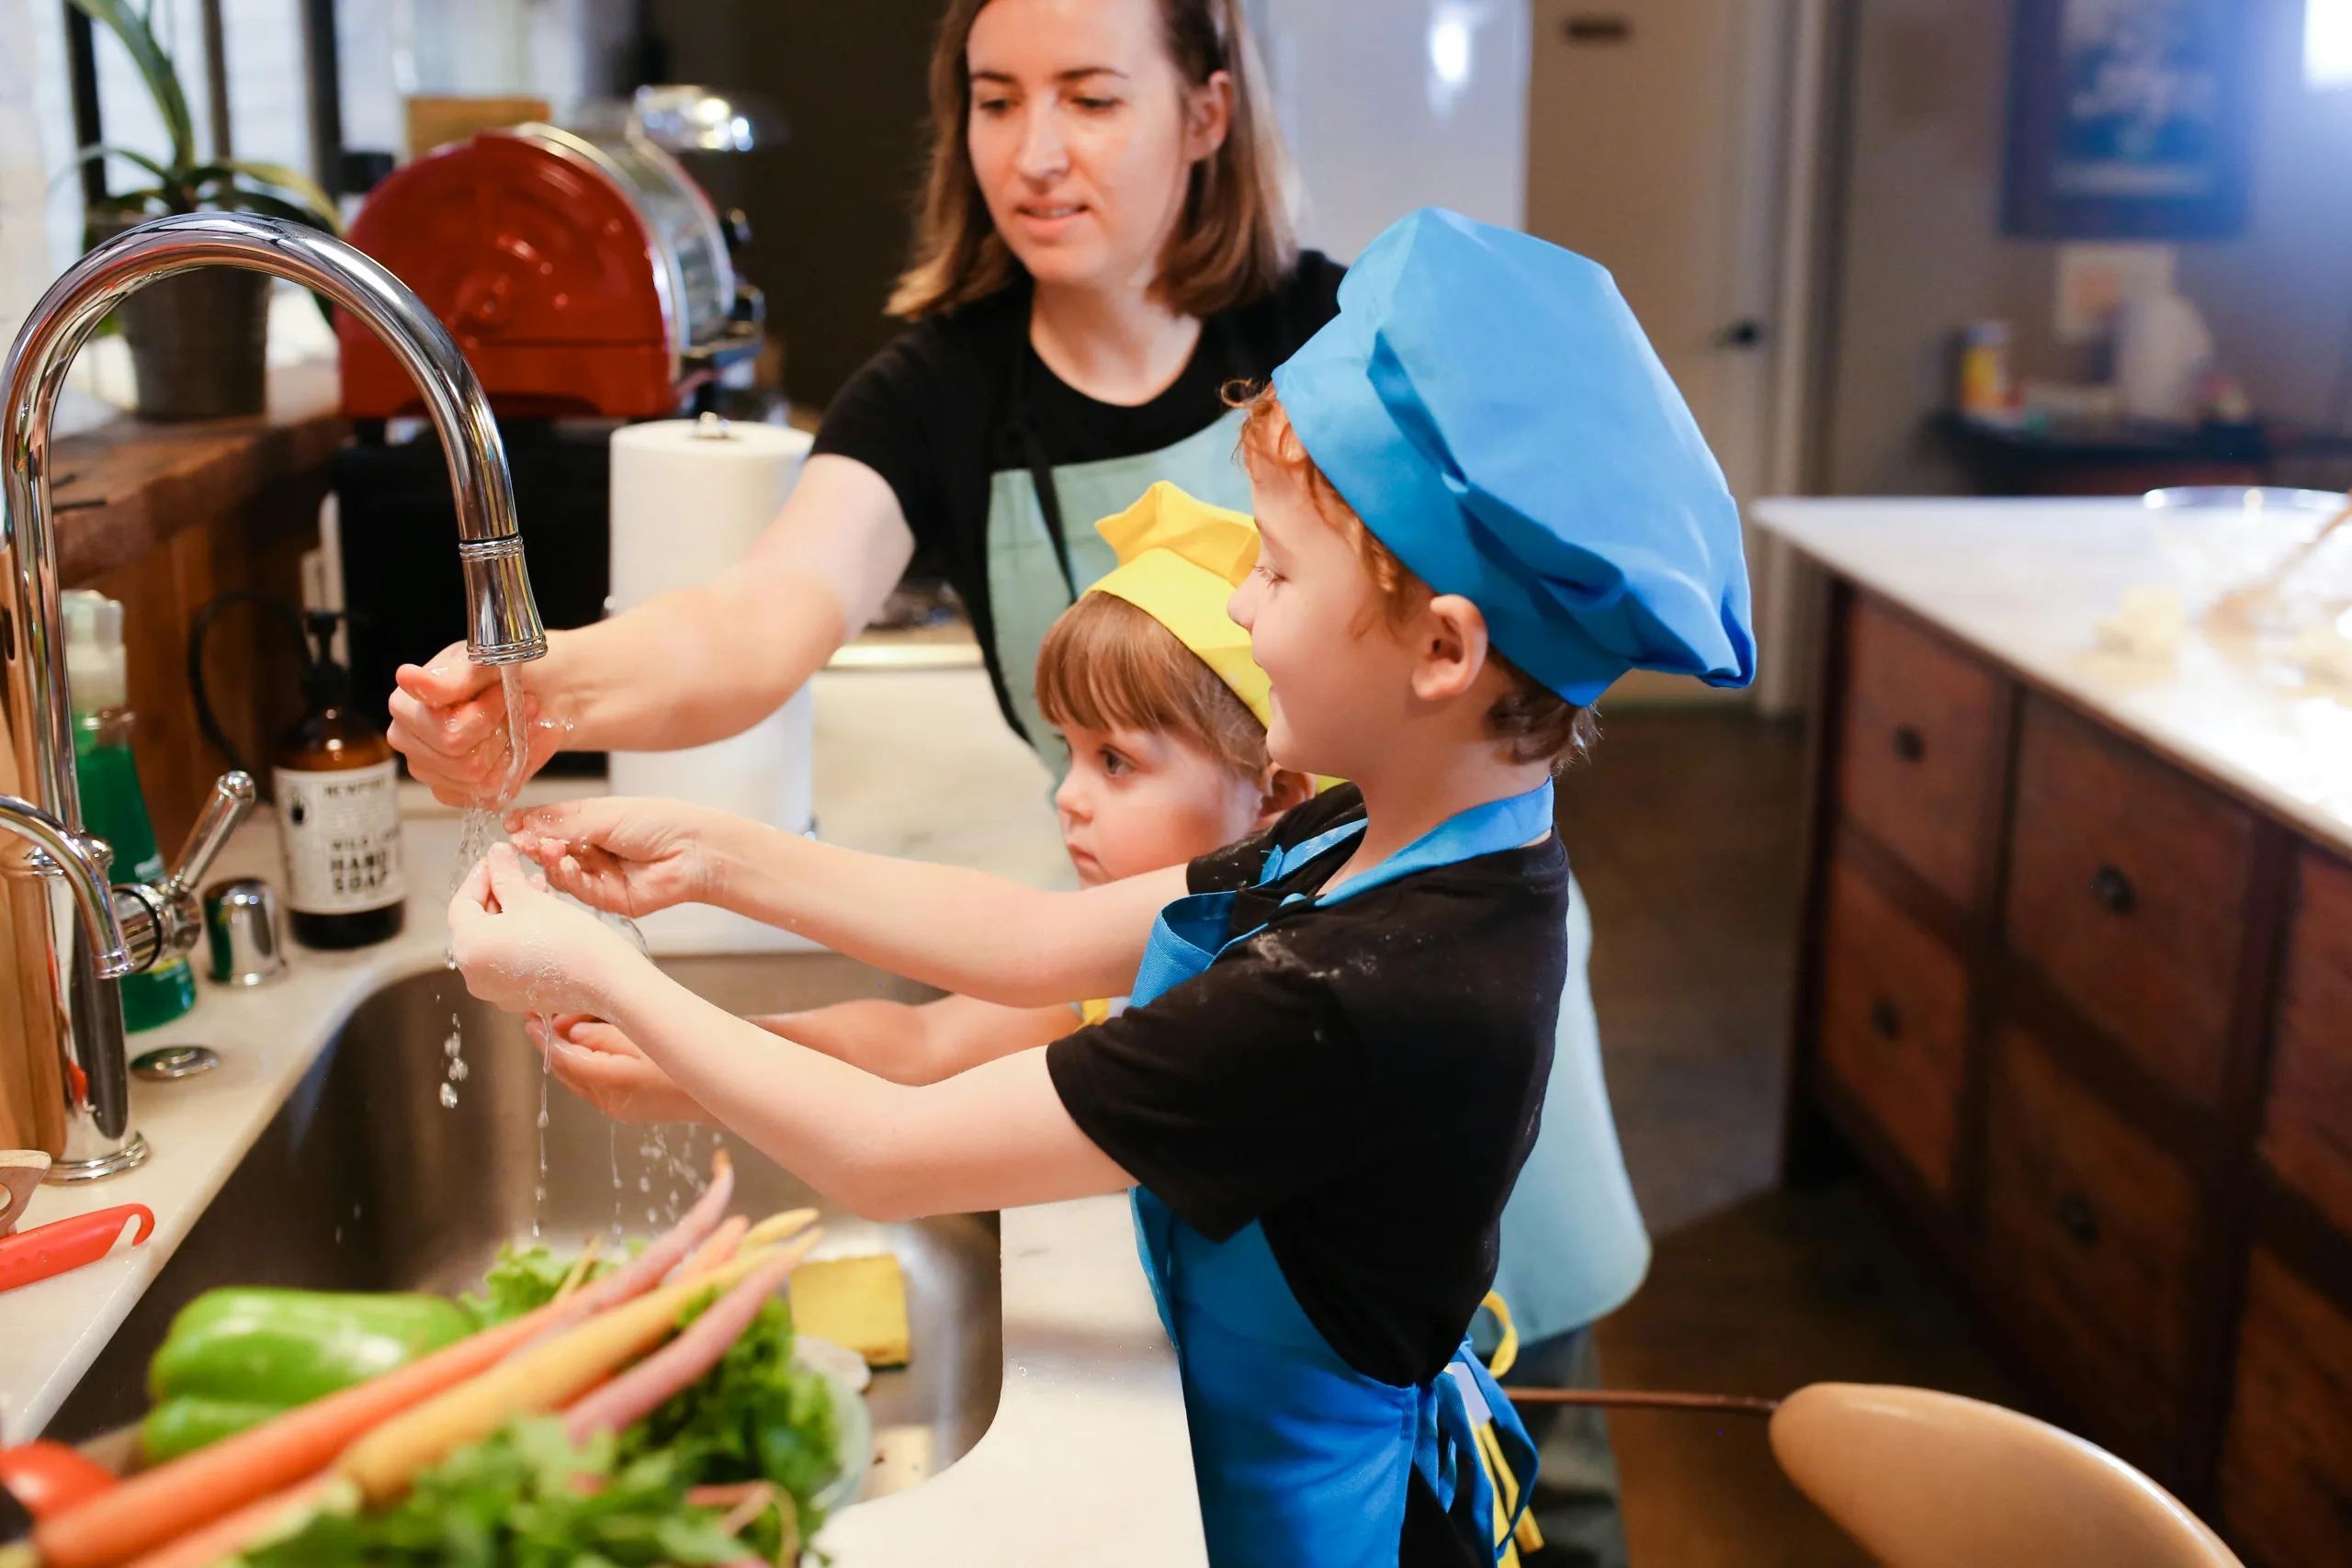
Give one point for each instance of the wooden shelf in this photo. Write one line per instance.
(125, 490)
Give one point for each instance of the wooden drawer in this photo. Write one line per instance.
(2287, 1463)
(2307, 1127)
(1894, 1022)
(1916, 759)
(2092, 1224)
(2127, 890)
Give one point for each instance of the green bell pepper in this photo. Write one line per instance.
(283, 1347)
(189, 1421)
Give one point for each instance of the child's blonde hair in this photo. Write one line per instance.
(1534, 723)
(1107, 664)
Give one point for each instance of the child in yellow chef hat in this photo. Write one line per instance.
(1153, 690)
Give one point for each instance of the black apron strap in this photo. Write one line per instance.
(1041, 473)
(1229, 348)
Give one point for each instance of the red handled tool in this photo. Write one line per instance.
(55, 1247)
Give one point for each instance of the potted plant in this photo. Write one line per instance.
(199, 341)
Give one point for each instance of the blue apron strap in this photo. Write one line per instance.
(1482, 831)
(1284, 862)
(1455, 1405)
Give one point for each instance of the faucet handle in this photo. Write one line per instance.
(233, 796)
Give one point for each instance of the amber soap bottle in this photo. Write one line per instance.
(338, 786)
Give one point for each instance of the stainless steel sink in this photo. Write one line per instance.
(365, 1181)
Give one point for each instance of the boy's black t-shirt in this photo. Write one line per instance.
(934, 412)
(1362, 1079)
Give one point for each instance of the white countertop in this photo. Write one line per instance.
(1088, 1459)
(2028, 581)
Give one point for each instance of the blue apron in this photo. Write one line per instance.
(1302, 1462)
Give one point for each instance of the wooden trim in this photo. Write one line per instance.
(2300, 1237)
(1810, 1150)
(1974, 1113)
(1919, 900)
(2219, 1265)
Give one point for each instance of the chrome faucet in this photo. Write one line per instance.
(65, 936)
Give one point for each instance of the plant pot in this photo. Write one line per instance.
(199, 343)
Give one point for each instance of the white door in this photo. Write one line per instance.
(1654, 141)
(1392, 105)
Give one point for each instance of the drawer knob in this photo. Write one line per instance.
(1886, 1020)
(1909, 744)
(2113, 890)
(2078, 1218)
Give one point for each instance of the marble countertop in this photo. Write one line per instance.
(1088, 1459)
(2028, 581)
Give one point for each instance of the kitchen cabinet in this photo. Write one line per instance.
(2083, 1006)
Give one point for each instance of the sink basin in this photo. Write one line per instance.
(366, 1180)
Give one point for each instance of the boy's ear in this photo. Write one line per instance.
(1285, 787)
(1449, 648)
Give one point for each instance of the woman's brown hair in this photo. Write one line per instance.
(1107, 665)
(1235, 241)
(1534, 723)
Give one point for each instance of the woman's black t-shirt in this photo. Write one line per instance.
(934, 412)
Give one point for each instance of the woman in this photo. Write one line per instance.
(1103, 243)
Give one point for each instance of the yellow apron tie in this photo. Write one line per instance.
(1526, 1537)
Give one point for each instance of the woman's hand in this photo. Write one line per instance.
(604, 1067)
(449, 720)
(525, 950)
(630, 857)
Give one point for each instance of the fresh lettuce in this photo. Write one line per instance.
(519, 1281)
(526, 1498)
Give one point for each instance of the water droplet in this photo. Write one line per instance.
(645, 1184)
(458, 1070)
(449, 1096)
(543, 1127)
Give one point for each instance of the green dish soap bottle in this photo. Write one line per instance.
(113, 805)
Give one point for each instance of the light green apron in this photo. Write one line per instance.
(1026, 588)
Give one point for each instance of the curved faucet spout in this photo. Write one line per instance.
(71, 1017)
(503, 623)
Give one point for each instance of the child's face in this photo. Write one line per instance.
(1341, 686)
(1135, 802)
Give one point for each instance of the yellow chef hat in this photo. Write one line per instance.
(1179, 560)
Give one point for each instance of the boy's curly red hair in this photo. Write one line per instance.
(1533, 722)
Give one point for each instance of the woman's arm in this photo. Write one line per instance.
(925, 1043)
(686, 668)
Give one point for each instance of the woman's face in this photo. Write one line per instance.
(1083, 134)
(1134, 802)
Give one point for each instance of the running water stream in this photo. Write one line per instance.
(482, 825)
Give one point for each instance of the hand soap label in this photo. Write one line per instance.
(342, 832)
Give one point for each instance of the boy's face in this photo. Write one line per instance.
(1134, 802)
(1341, 685)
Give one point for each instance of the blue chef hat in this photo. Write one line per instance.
(1490, 407)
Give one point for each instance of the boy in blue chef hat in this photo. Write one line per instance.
(1481, 501)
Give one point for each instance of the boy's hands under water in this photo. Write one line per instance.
(525, 950)
(604, 1068)
(630, 857)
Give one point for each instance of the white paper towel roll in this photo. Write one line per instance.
(688, 498)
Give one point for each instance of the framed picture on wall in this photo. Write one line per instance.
(2129, 119)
